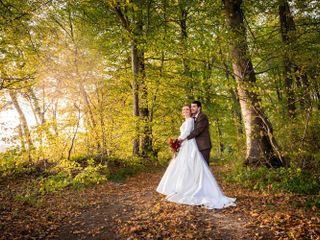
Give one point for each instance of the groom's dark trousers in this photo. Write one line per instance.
(206, 154)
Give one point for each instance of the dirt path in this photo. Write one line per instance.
(133, 210)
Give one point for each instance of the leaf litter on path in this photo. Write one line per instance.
(134, 210)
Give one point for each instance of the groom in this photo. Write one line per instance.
(201, 130)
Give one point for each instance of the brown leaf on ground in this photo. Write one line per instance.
(134, 210)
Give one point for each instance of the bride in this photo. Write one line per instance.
(188, 179)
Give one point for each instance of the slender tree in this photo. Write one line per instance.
(293, 73)
(23, 121)
(134, 27)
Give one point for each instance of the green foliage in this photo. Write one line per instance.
(282, 179)
(54, 183)
(92, 174)
(313, 201)
(15, 162)
(123, 173)
(124, 169)
(302, 138)
(70, 174)
(26, 199)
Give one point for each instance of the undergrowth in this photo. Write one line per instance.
(290, 180)
(45, 177)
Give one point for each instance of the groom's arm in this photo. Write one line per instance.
(202, 124)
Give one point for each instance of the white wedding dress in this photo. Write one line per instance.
(189, 180)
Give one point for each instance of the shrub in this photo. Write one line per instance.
(54, 183)
(127, 168)
(90, 175)
(283, 179)
(72, 175)
(14, 162)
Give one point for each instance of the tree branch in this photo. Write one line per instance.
(124, 20)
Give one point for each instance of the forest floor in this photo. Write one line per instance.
(132, 209)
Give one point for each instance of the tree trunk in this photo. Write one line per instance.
(221, 145)
(21, 137)
(101, 107)
(81, 81)
(22, 118)
(37, 108)
(234, 96)
(236, 110)
(317, 93)
(54, 117)
(74, 133)
(87, 104)
(185, 61)
(287, 26)
(39, 116)
(292, 72)
(140, 104)
(139, 84)
(262, 148)
(135, 95)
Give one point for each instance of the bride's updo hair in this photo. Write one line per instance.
(186, 105)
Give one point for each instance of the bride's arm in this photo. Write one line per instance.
(186, 130)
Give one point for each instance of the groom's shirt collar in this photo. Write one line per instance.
(196, 116)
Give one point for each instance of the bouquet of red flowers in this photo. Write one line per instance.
(174, 144)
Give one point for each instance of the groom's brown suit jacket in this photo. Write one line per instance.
(201, 132)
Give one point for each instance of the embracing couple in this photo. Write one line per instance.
(188, 178)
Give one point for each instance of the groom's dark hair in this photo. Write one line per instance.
(198, 103)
